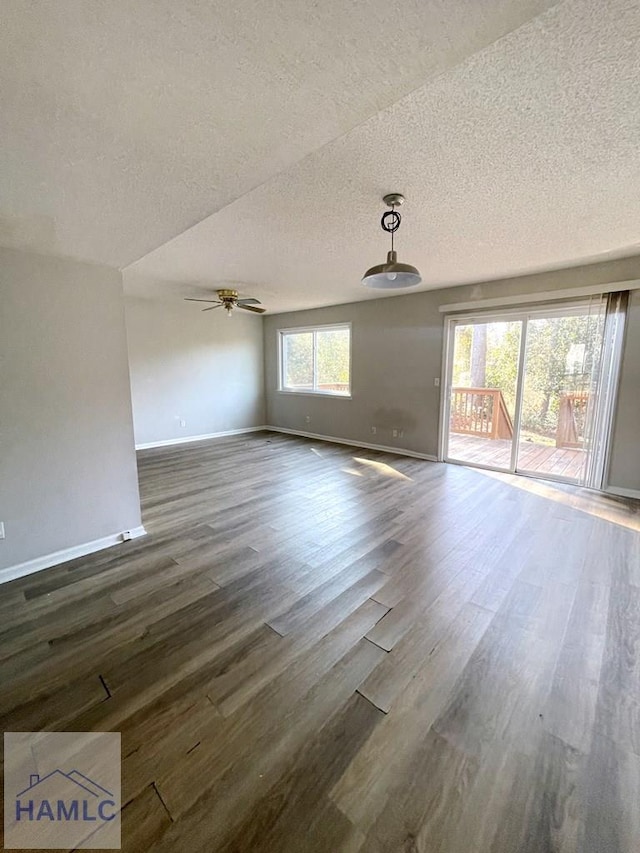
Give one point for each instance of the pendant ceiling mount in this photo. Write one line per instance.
(391, 275)
(393, 199)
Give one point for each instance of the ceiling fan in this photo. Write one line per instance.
(228, 299)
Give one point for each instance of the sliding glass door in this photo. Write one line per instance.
(484, 383)
(526, 392)
(560, 387)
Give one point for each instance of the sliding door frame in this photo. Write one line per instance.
(493, 315)
(615, 332)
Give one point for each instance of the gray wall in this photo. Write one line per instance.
(395, 346)
(205, 369)
(624, 470)
(67, 461)
(397, 352)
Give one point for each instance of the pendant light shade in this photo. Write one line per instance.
(391, 275)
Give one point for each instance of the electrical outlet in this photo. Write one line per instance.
(183, 423)
(1, 529)
(394, 433)
(436, 382)
(307, 419)
(374, 430)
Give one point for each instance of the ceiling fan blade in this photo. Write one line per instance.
(251, 308)
(212, 307)
(249, 301)
(189, 299)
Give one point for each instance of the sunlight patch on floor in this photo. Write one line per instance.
(382, 468)
(603, 506)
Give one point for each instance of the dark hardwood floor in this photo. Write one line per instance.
(320, 648)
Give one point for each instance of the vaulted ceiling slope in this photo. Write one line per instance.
(202, 144)
(521, 158)
(125, 123)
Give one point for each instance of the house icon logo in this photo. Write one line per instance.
(62, 790)
(64, 796)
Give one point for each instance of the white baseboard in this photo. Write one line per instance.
(399, 451)
(188, 439)
(21, 570)
(623, 493)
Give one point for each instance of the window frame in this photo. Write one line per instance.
(328, 327)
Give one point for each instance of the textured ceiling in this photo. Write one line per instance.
(525, 156)
(275, 127)
(124, 123)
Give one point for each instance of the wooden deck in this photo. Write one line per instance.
(536, 458)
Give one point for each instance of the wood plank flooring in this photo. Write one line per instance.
(323, 648)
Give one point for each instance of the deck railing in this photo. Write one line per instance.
(480, 411)
(572, 416)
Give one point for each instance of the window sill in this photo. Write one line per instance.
(314, 394)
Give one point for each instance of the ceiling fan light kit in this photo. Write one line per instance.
(229, 299)
(391, 275)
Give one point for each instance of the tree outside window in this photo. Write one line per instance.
(316, 361)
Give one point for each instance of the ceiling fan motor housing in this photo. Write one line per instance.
(228, 295)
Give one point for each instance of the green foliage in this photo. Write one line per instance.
(562, 358)
(502, 362)
(331, 352)
(503, 343)
(298, 353)
(333, 357)
(462, 356)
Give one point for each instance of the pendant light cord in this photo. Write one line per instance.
(390, 223)
(393, 210)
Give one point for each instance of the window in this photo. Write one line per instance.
(316, 361)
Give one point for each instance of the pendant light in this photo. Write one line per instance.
(391, 275)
